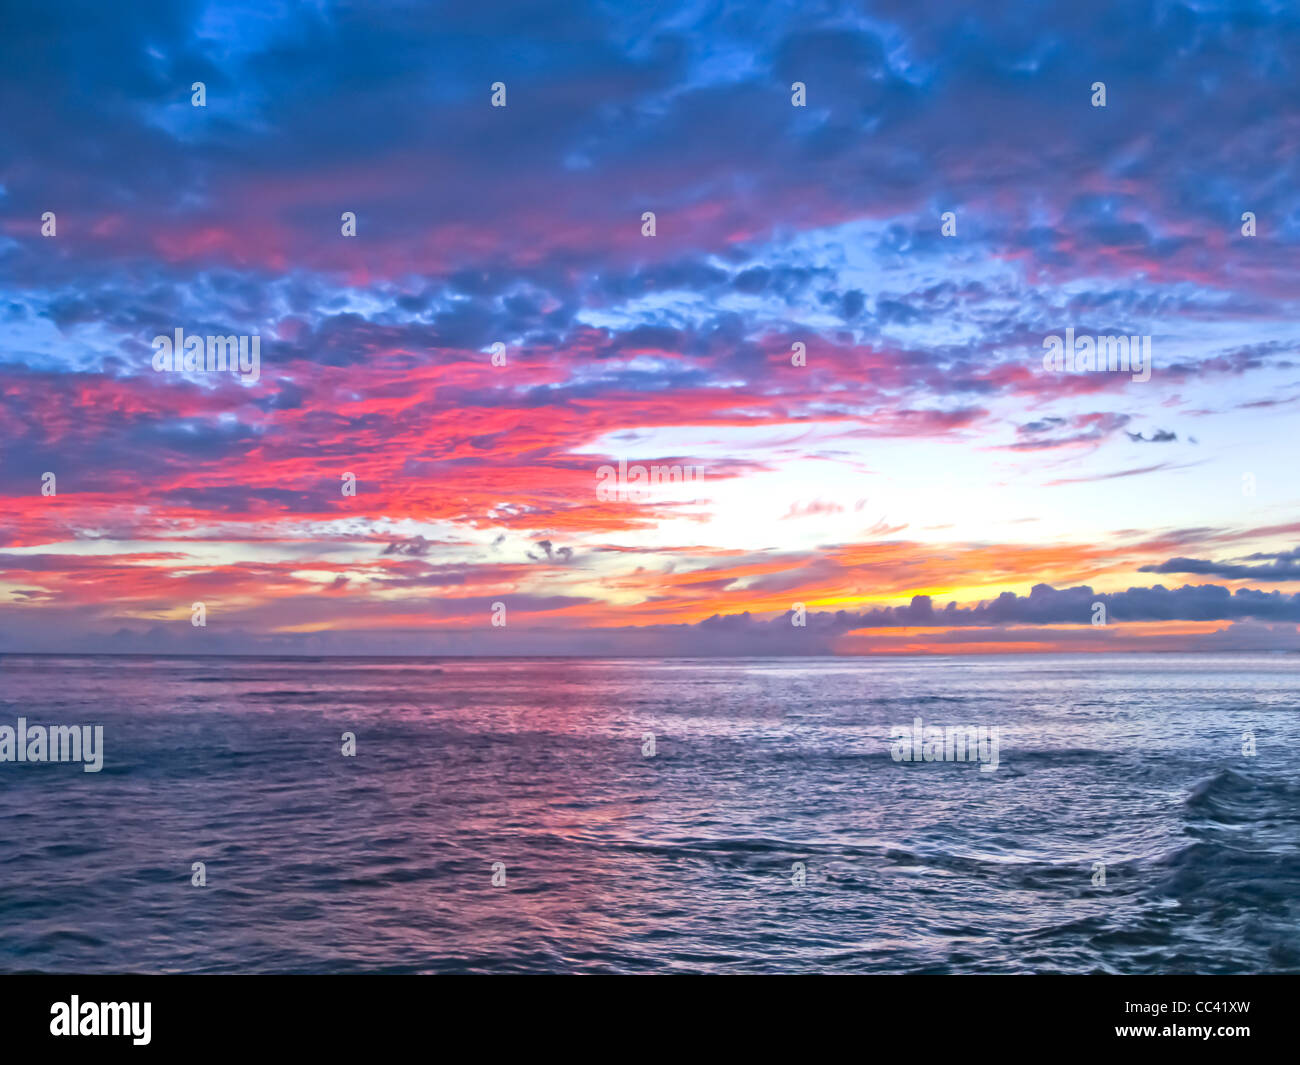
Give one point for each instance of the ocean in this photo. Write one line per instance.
(652, 816)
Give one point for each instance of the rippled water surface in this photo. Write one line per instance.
(616, 861)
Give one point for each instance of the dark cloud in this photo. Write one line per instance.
(1284, 566)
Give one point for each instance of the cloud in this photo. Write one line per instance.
(1136, 471)
(1284, 566)
(549, 553)
(521, 226)
(415, 547)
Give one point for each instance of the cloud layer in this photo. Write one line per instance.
(864, 393)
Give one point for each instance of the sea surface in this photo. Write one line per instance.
(684, 860)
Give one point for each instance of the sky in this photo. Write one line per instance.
(865, 222)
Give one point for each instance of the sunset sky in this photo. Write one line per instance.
(921, 485)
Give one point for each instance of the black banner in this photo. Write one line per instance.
(335, 1014)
